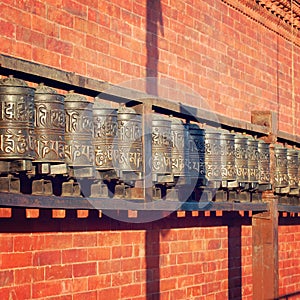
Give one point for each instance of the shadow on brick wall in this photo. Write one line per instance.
(154, 231)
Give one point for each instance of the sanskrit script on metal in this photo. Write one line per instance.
(293, 166)
(105, 137)
(49, 125)
(264, 162)
(129, 135)
(252, 149)
(281, 178)
(228, 171)
(161, 145)
(213, 156)
(16, 119)
(241, 158)
(179, 135)
(78, 131)
(196, 151)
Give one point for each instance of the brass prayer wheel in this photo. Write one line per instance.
(129, 138)
(179, 135)
(281, 178)
(213, 155)
(264, 162)
(16, 120)
(78, 131)
(49, 125)
(241, 158)
(252, 155)
(105, 137)
(228, 171)
(196, 153)
(161, 148)
(293, 166)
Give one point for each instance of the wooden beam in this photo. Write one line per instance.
(34, 72)
(265, 250)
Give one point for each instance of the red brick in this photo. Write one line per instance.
(73, 36)
(47, 258)
(58, 272)
(46, 57)
(58, 46)
(80, 284)
(6, 278)
(5, 293)
(99, 282)
(122, 278)
(6, 243)
(99, 253)
(85, 54)
(60, 17)
(44, 26)
(73, 65)
(112, 265)
(7, 29)
(22, 50)
(74, 8)
(15, 16)
(16, 260)
(32, 6)
(17, 292)
(130, 264)
(58, 241)
(122, 251)
(132, 290)
(168, 284)
(91, 295)
(74, 255)
(29, 275)
(112, 293)
(84, 269)
(87, 239)
(51, 288)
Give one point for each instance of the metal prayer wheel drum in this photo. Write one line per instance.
(49, 125)
(78, 131)
(293, 167)
(105, 137)
(179, 135)
(129, 137)
(16, 119)
(228, 171)
(264, 162)
(281, 178)
(196, 153)
(241, 158)
(161, 149)
(213, 155)
(252, 154)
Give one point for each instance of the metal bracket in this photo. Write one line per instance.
(10, 184)
(71, 188)
(42, 187)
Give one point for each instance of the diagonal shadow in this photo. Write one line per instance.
(154, 25)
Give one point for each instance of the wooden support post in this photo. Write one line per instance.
(146, 110)
(265, 250)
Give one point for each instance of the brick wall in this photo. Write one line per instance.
(289, 256)
(101, 258)
(234, 62)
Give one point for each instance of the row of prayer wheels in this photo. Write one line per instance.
(45, 133)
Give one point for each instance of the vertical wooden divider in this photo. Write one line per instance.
(265, 224)
(146, 110)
